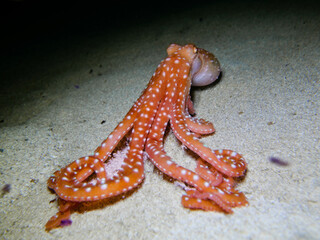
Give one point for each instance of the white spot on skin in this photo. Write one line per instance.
(195, 177)
(126, 179)
(220, 191)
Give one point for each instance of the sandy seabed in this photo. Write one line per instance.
(64, 96)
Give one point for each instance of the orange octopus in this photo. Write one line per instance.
(165, 100)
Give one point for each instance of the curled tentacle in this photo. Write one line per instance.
(62, 216)
(209, 174)
(227, 162)
(71, 184)
(193, 202)
(57, 220)
(199, 125)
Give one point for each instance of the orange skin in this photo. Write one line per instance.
(166, 99)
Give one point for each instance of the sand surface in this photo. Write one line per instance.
(59, 86)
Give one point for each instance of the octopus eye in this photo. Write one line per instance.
(195, 50)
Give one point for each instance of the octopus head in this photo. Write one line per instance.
(205, 67)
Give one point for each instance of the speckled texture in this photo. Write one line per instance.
(266, 104)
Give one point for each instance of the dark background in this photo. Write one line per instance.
(26, 21)
(34, 29)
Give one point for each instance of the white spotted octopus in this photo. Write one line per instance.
(165, 100)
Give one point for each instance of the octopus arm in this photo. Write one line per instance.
(197, 203)
(70, 183)
(228, 163)
(209, 174)
(195, 124)
(57, 220)
(164, 163)
(157, 155)
(62, 216)
(109, 144)
(199, 125)
(189, 106)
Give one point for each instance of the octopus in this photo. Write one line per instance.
(164, 104)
